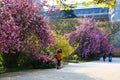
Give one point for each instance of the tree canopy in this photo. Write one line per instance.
(20, 26)
(63, 4)
(90, 39)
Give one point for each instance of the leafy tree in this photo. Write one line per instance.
(90, 40)
(64, 45)
(21, 27)
(102, 3)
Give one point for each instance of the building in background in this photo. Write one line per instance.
(101, 14)
(98, 13)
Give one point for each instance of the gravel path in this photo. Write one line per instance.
(96, 70)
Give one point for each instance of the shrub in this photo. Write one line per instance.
(10, 60)
(110, 27)
(63, 26)
(38, 60)
(64, 45)
(91, 40)
(19, 21)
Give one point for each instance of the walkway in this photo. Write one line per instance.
(96, 70)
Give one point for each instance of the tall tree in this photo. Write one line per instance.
(21, 27)
(90, 40)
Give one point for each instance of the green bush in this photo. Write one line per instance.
(75, 57)
(110, 27)
(38, 60)
(10, 60)
(41, 63)
(64, 45)
(63, 26)
(25, 60)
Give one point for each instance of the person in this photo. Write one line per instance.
(104, 57)
(110, 57)
(59, 57)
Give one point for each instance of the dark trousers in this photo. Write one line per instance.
(104, 58)
(58, 64)
(110, 58)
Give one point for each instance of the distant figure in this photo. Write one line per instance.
(110, 57)
(59, 58)
(104, 57)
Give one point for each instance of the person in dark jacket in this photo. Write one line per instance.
(59, 58)
(110, 57)
(104, 57)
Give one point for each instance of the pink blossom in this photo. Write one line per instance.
(19, 21)
(90, 38)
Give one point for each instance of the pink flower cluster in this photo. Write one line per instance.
(19, 21)
(9, 33)
(44, 57)
(90, 38)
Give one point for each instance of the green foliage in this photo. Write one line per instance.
(33, 62)
(102, 3)
(64, 6)
(64, 45)
(75, 57)
(63, 26)
(24, 60)
(41, 64)
(110, 27)
(105, 26)
(10, 60)
(73, 61)
(49, 51)
(4, 70)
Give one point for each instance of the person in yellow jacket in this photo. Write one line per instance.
(59, 58)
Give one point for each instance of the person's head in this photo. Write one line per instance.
(60, 50)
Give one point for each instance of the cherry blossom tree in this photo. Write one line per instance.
(90, 40)
(19, 22)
